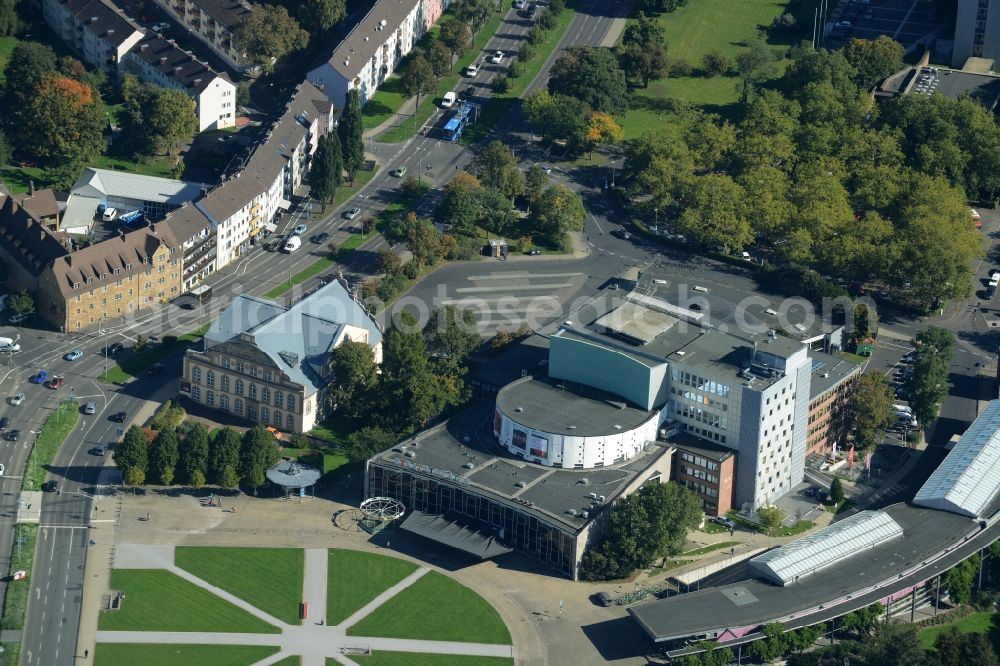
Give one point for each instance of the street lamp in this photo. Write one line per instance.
(31, 457)
(656, 218)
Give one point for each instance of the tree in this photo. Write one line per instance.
(496, 167)
(716, 64)
(157, 119)
(534, 182)
(28, 63)
(770, 517)
(894, 644)
(650, 523)
(460, 206)
(387, 262)
(197, 479)
(556, 117)
(450, 336)
(268, 33)
(869, 409)
(132, 452)
(752, 65)
(9, 21)
(258, 452)
(350, 129)
(223, 452)
(64, 126)
(6, 150)
(363, 444)
(862, 621)
(228, 478)
(21, 303)
(193, 454)
(774, 645)
(163, 456)
(644, 50)
(439, 57)
(423, 240)
(928, 386)
(473, 12)
(716, 212)
(353, 376)
(418, 78)
(938, 341)
(960, 579)
(873, 60)
(836, 491)
(592, 75)
(326, 170)
(602, 128)
(558, 212)
(496, 213)
(320, 15)
(457, 36)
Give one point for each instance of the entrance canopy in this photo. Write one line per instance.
(447, 532)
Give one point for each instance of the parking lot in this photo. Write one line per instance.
(906, 21)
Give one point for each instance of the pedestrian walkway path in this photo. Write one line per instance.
(314, 641)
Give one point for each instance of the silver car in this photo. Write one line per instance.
(352, 213)
(90, 408)
(16, 399)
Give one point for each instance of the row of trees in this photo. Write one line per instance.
(338, 152)
(929, 383)
(421, 374)
(190, 455)
(827, 178)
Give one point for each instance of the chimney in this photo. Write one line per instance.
(69, 259)
(152, 227)
(163, 60)
(143, 47)
(122, 234)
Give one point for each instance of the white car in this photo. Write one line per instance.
(109, 214)
(519, 4)
(497, 58)
(16, 399)
(160, 27)
(299, 230)
(472, 70)
(17, 319)
(448, 100)
(352, 213)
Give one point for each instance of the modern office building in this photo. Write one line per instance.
(706, 469)
(160, 61)
(267, 363)
(211, 22)
(977, 31)
(95, 29)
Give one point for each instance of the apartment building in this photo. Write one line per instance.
(95, 29)
(977, 31)
(707, 469)
(196, 237)
(160, 61)
(267, 363)
(212, 23)
(374, 48)
(245, 205)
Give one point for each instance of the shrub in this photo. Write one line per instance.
(411, 270)
(535, 36)
(680, 67)
(526, 52)
(515, 69)
(716, 64)
(500, 84)
(547, 20)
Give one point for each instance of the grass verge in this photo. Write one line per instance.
(15, 603)
(131, 367)
(382, 658)
(268, 578)
(710, 548)
(435, 608)
(157, 600)
(428, 105)
(116, 654)
(294, 660)
(54, 431)
(499, 105)
(974, 623)
(310, 271)
(348, 591)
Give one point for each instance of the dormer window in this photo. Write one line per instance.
(90, 279)
(128, 267)
(104, 275)
(117, 271)
(76, 285)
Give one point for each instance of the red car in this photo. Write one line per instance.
(56, 382)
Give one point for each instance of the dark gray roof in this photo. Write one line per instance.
(828, 372)
(103, 19)
(188, 223)
(25, 239)
(450, 533)
(368, 36)
(226, 12)
(297, 338)
(752, 602)
(293, 474)
(443, 452)
(176, 63)
(684, 441)
(568, 408)
(529, 355)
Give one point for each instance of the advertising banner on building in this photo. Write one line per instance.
(539, 446)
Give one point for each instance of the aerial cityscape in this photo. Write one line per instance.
(499, 332)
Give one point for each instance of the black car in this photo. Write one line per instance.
(4, 422)
(115, 349)
(155, 369)
(119, 417)
(13, 435)
(321, 238)
(50, 486)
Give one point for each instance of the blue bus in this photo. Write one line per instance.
(452, 129)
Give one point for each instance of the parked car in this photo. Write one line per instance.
(4, 422)
(603, 599)
(519, 4)
(160, 27)
(90, 408)
(99, 450)
(398, 172)
(74, 355)
(299, 229)
(497, 57)
(56, 382)
(39, 377)
(155, 369)
(13, 435)
(545, 168)
(16, 399)
(109, 214)
(472, 70)
(320, 238)
(728, 523)
(448, 100)
(352, 213)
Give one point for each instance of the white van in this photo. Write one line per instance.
(292, 244)
(109, 214)
(8, 345)
(902, 409)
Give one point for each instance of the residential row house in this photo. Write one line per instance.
(76, 287)
(268, 363)
(211, 22)
(106, 38)
(375, 47)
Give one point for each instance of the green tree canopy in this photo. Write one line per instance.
(591, 75)
(326, 170)
(418, 78)
(64, 126)
(643, 54)
(223, 451)
(267, 34)
(353, 377)
(456, 35)
(873, 60)
(157, 119)
(320, 15)
(163, 455)
(869, 408)
(366, 442)
(193, 454)
(132, 451)
(450, 336)
(258, 452)
(559, 211)
(496, 166)
(350, 129)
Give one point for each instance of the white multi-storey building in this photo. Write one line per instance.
(95, 29)
(212, 22)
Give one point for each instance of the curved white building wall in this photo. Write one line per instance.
(573, 451)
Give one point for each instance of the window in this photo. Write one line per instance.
(268, 376)
(291, 402)
(253, 371)
(238, 405)
(239, 366)
(225, 382)
(210, 398)
(210, 379)
(277, 418)
(265, 394)
(252, 412)
(289, 422)
(224, 402)
(264, 415)
(196, 374)
(309, 408)
(196, 393)
(225, 363)
(239, 387)
(279, 398)
(252, 393)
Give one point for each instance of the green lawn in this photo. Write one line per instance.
(158, 600)
(116, 654)
(354, 578)
(15, 603)
(54, 431)
(498, 106)
(133, 366)
(310, 271)
(976, 623)
(268, 578)
(435, 608)
(693, 31)
(710, 548)
(294, 660)
(332, 460)
(420, 659)
(389, 98)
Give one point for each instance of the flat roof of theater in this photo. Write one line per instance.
(443, 452)
(567, 408)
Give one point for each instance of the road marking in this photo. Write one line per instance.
(528, 287)
(519, 274)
